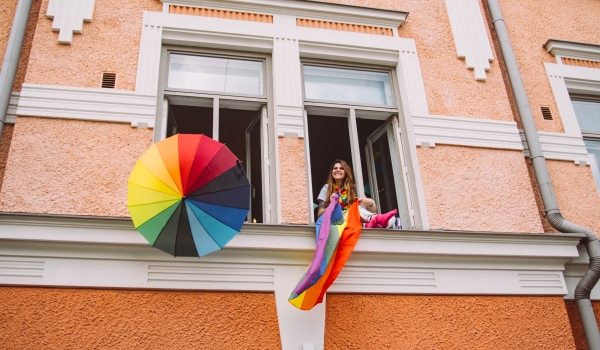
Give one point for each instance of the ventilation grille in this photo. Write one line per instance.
(109, 80)
(242, 16)
(358, 28)
(546, 113)
(581, 63)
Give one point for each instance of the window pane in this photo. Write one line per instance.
(588, 115)
(593, 148)
(347, 85)
(215, 74)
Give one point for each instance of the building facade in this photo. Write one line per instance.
(415, 95)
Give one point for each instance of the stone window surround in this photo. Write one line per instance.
(287, 48)
(565, 79)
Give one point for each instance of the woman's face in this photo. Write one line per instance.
(338, 172)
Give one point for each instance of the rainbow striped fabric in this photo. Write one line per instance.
(336, 238)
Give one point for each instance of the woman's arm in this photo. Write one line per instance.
(321, 209)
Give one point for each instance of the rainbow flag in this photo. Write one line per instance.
(336, 238)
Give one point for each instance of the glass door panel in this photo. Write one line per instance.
(385, 175)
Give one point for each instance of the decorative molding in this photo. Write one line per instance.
(348, 53)
(11, 113)
(560, 146)
(434, 129)
(204, 12)
(563, 102)
(470, 35)
(411, 75)
(146, 81)
(573, 49)
(107, 105)
(344, 27)
(21, 269)
(307, 9)
(580, 63)
(288, 87)
(68, 17)
(290, 121)
(258, 249)
(564, 79)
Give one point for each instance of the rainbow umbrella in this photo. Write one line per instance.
(188, 195)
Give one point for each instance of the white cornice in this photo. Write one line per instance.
(109, 105)
(573, 49)
(90, 252)
(306, 9)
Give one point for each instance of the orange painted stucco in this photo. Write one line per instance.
(530, 24)
(71, 167)
(478, 189)
(580, 343)
(451, 88)
(4, 147)
(109, 43)
(45, 318)
(292, 180)
(446, 322)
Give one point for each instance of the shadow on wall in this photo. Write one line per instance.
(4, 147)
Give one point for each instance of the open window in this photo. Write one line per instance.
(225, 98)
(351, 114)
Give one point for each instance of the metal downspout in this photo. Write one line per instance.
(11, 56)
(591, 277)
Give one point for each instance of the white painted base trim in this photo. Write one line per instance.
(108, 105)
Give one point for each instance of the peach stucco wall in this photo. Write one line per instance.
(446, 322)
(109, 43)
(292, 180)
(7, 12)
(71, 167)
(451, 88)
(530, 24)
(4, 147)
(44, 318)
(576, 193)
(478, 189)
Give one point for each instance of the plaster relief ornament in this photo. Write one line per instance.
(68, 17)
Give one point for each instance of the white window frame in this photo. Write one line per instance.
(288, 43)
(264, 102)
(405, 203)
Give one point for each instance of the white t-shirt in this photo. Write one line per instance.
(323, 194)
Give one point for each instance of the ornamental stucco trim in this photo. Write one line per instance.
(470, 35)
(53, 101)
(572, 49)
(68, 17)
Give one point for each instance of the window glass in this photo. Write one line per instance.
(215, 74)
(593, 148)
(347, 85)
(588, 115)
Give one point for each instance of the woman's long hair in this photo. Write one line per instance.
(348, 182)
